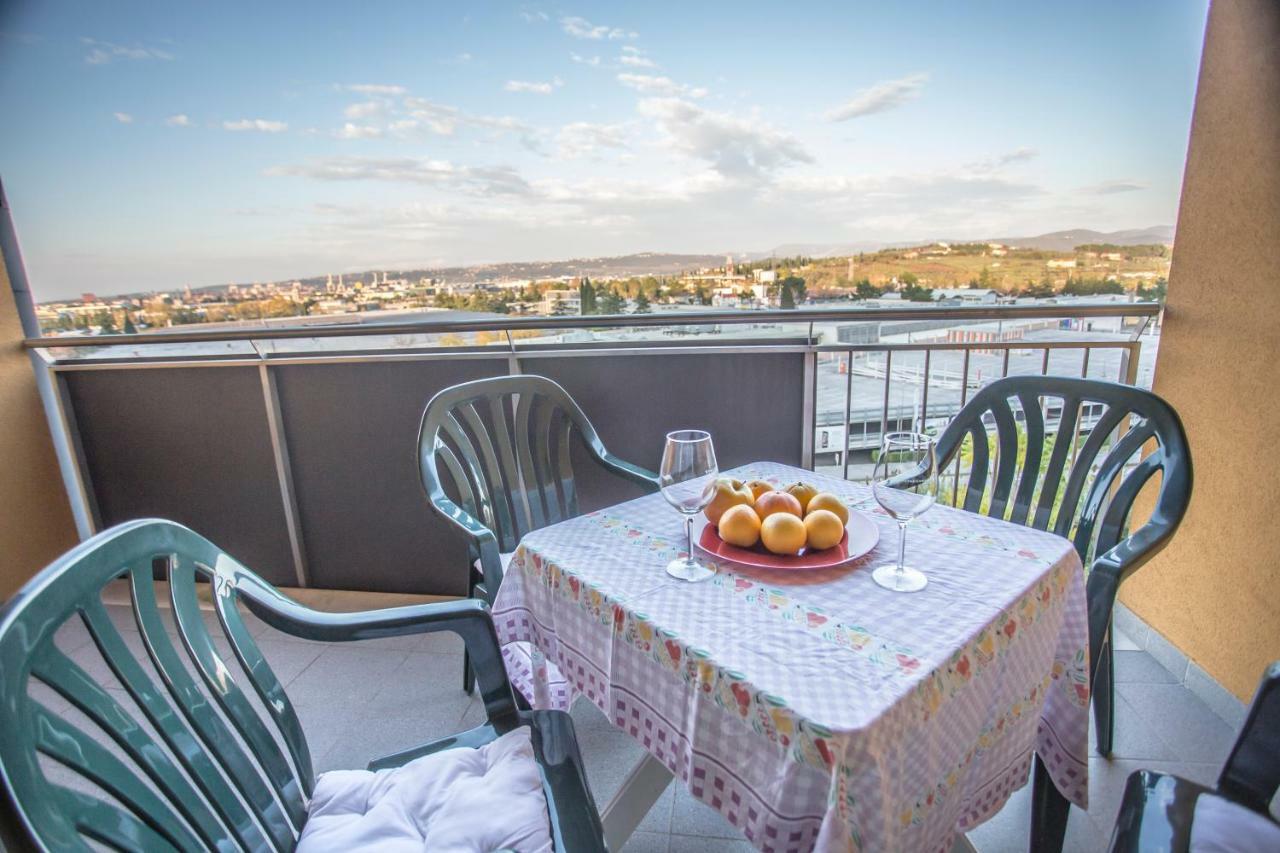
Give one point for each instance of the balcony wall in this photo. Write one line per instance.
(36, 523)
(194, 444)
(1215, 591)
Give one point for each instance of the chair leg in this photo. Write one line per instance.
(1049, 812)
(468, 676)
(1104, 698)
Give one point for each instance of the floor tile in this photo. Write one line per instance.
(659, 817)
(1190, 730)
(693, 817)
(647, 842)
(342, 676)
(1122, 642)
(1134, 735)
(288, 660)
(1141, 667)
(702, 844)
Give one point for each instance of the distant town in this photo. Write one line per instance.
(937, 273)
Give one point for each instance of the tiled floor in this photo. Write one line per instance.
(359, 701)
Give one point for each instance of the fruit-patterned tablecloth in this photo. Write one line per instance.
(818, 710)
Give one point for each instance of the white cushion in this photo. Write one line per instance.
(1221, 826)
(455, 800)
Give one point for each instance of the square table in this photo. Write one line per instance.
(817, 709)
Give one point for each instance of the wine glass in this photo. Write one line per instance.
(687, 479)
(905, 485)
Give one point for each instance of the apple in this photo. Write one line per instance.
(728, 492)
(777, 501)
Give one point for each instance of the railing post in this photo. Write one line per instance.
(284, 472)
(810, 406)
(75, 480)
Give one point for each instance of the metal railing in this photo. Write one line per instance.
(933, 378)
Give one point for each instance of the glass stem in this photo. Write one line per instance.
(688, 529)
(902, 546)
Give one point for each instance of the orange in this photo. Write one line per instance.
(740, 526)
(824, 529)
(776, 501)
(802, 492)
(758, 488)
(783, 533)
(828, 501)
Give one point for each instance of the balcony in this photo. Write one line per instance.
(294, 447)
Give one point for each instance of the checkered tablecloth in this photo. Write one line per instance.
(818, 710)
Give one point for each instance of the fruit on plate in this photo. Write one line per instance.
(831, 503)
(802, 492)
(758, 488)
(728, 492)
(777, 502)
(740, 526)
(783, 533)
(824, 529)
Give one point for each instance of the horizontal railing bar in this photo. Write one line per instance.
(416, 355)
(975, 345)
(662, 318)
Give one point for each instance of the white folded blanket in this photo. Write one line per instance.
(456, 800)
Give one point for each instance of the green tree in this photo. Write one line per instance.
(642, 304)
(612, 303)
(797, 286)
(908, 279)
(129, 328)
(106, 322)
(1043, 290)
(785, 300)
(1157, 293)
(866, 290)
(916, 293)
(587, 297)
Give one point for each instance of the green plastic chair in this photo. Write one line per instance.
(1085, 491)
(205, 768)
(505, 444)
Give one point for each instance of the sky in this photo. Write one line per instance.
(152, 145)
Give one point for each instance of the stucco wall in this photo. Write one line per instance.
(1215, 592)
(35, 518)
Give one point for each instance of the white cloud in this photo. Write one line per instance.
(635, 58)
(534, 87)
(358, 131)
(366, 109)
(445, 119)
(374, 89)
(534, 16)
(734, 147)
(583, 29)
(663, 86)
(123, 118)
(883, 96)
(103, 52)
(258, 124)
(477, 180)
(1113, 187)
(583, 139)
(180, 120)
(999, 161)
(593, 61)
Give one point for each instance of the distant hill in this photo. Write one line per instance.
(1056, 241)
(1065, 241)
(643, 263)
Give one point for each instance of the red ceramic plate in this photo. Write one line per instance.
(860, 536)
